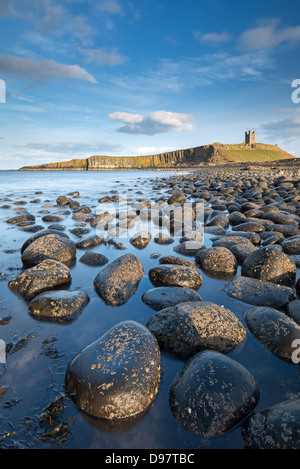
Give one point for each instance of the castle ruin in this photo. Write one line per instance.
(250, 139)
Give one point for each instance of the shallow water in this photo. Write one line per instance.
(39, 351)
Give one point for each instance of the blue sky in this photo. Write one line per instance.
(118, 77)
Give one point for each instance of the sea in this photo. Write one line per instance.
(35, 413)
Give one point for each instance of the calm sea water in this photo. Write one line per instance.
(39, 351)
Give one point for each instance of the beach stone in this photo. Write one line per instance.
(212, 393)
(20, 218)
(163, 238)
(277, 427)
(93, 258)
(229, 241)
(57, 227)
(259, 292)
(286, 230)
(177, 261)
(272, 265)
(42, 277)
(291, 245)
(141, 239)
(51, 246)
(58, 305)
(218, 262)
(188, 248)
(52, 218)
(170, 275)
(217, 218)
(177, 198)
(79, 231)
(101, 219)
(249, 226)
(118, 375)
(118, 281)
(89, 242)
(63, 200)
(189, 327)
(293, 310)
(31, 228)
(41, 234)
(275, 330)
(162, 297)
(280, 218)
(241, 251)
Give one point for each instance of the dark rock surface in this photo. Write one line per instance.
(189, 327)
(118, 375)
(51, 246)
(118, 281)
(212, 393)
(218, 262)
(58, 305)
(162, 297)
(170, 275)
(93, 258)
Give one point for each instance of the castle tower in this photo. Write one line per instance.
(250, 138)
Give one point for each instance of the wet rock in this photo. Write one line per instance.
(63, 200)
(117, 376)
(57, 227)
(79, 231)
(178, 197)
(141, 239)
(269, 264)
(58, 305)
(93, 258)
(241, 251)
(259, 292)
(44, 276)
(229, 241)
(41, 234)
(217, 218)
(293, 310)
(162, 297)
(52, 218)
(218, 262)
(249, 226)
(101, 219)
(32, 228)
(163, 238)
(286, 230)
(291, 245)
(189, 327)
(20, 218)
(89, 242)
(51, 246)
(188, 248)
(118, 281)
(277, 427)
(212, 393)
(274, 330)
(168, 275)
(177, 261)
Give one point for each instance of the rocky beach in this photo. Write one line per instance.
(159, 310)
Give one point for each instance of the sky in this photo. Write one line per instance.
(123, 78)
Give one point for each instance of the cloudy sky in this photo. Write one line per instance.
(119, 77)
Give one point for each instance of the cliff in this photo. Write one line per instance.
(216, 153)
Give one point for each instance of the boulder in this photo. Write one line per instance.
(44, 276)
(212, 393)
(58, 305)
(93, 258)
(259, 292)
(118, 281)
(163, 297)
(141, 239)
(274, 330)
(277, 427)
(218, 262)
(118, 375)
(51, 246)
(189, 327)
(170, 275)
(269, 264)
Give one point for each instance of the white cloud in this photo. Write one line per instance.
(110, 6)
(268, 35)
(157, 122)
(43, 70)
(212, 38)
(102, 57)
(126, 117)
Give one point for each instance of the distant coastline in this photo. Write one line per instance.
(185, 159)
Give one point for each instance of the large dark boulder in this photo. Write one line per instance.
(270, 264)
(58, 305)
(51, 246)
(163, 297)
(189, 327)
(170, 275)
(118, 281)
(212, 393)
(118, 375)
